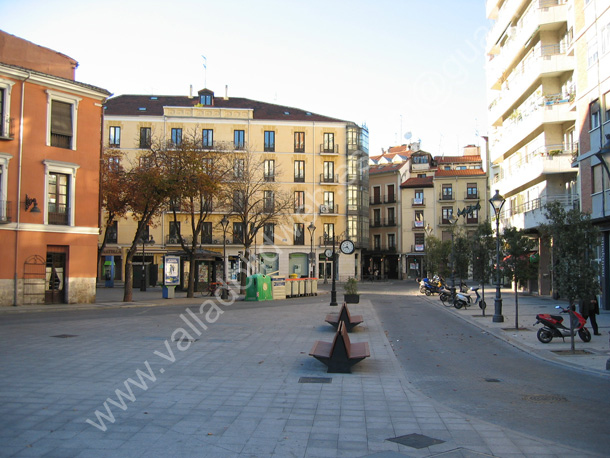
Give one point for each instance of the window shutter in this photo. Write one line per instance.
(61, 118)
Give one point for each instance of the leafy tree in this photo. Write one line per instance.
(462, 253)
(255, 201)
(483, 251)
(517, 247)
(197, 175)
(438, 253)
(113, 193)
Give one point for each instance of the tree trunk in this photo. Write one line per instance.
(516, 306)
(191, 288)
(128, 290)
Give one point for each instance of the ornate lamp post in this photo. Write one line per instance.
(145, 241)
(333, 290)
(497, 202)
(224, 222)
(311, 228)
(428, 229)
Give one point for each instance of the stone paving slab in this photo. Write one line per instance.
(233, 391)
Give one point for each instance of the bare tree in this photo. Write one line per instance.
(254, 201)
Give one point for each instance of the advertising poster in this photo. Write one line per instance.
(171, 271)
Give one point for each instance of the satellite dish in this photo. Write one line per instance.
(408, 135)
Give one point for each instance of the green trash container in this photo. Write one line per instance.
(258, 288)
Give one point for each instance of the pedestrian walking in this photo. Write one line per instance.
(588, 308)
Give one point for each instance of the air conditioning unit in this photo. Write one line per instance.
(324, 209)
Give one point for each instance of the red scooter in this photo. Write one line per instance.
(553, 326)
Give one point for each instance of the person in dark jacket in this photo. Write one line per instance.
(588, 309)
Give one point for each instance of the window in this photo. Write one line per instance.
(206, 232)
(471, 191)
(238, 201)
(460, 167)
(472, 217)
(299, 171)
(61, 124)
(269, 141)
(114, 163)
(238, 233)
(4, 160)
(268, 202)
(592, 55)
(352, 197)
(299, 142)
(352, 227)
(145, 137)
(329, 232)
(238, 168)
(421, 175)
(605, 33)
(299, 201)
(376, 217)
(299, 234)
(112, 232)
(115, 137)
(391, 216)
(268, 234)
(57, 198)
(447, 192)
(62, 119)
(329, 143)
(376, 195)
(269, 170)
(391, 194)
(377, 242)
(174, 232)
(329, 172)
(418, 198)
(419, 242)
(607, 106)
(205, 99)
(419, 219)
(391, 241)
(352, 168)
(447, 212)
(176, 136)
(329, 202)
(594, 114)
(238, 139)
(207, 138)
(5, 107)
(596, 182)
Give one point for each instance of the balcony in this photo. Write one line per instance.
(375, 223)
(329, 178)
(530, 214)
(444, 197)
(385, 199)
(299, 209)
(174, 239)
(328, 208)
(600, 204)
(547, 160)
(390, 222)
(418, 225)
(418, 202)
(329, 150)
(58, 214)
(472, 196)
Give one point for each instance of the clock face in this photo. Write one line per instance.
(347, 247)
(329, 253)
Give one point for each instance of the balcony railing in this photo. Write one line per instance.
(329, 178)
(329, 149)
(299, 208)
(389, 199)
(175, 239)
(329, 208)
(385, 199)
(5, 212)
(58, 214)
(446, 197)
(418, 202)
(472, 196)
(61, 141)
(375, 223)
(269, 178)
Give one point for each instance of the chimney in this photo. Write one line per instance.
(191, 92)
(226, 92)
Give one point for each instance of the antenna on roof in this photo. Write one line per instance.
(205, 71)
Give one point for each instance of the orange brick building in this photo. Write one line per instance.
(50, 145)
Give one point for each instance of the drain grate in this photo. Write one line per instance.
(315, 380)
(492, 380)
(416, 441)
(185, 340)
(65, 336)
(544, 398)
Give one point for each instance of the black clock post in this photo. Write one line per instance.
(333, 290)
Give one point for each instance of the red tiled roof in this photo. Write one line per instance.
(415, 182)
(457, 173)
(382, 168)
(152, 105)
(453, 159)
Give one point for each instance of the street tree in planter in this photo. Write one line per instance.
(438, 254)
(483, 251)
(517, 248)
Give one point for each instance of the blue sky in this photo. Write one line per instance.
(397, 65)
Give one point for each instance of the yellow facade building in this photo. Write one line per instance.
(321, 161)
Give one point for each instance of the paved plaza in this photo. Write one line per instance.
(235, 381)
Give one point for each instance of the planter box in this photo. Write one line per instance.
(351, 298)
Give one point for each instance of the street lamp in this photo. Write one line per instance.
(497, 202)
(148, 240)
(428, 229)
(311, 228)
(224, 222)
(452, 220)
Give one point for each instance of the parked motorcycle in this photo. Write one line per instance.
(553, 327)
(430, 286)
(446, 294)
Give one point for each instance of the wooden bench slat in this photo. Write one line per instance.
(340, 354)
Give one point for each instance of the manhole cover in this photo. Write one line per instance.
(416, 441)
(544, 398)
(315, 380)
(64, 336)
